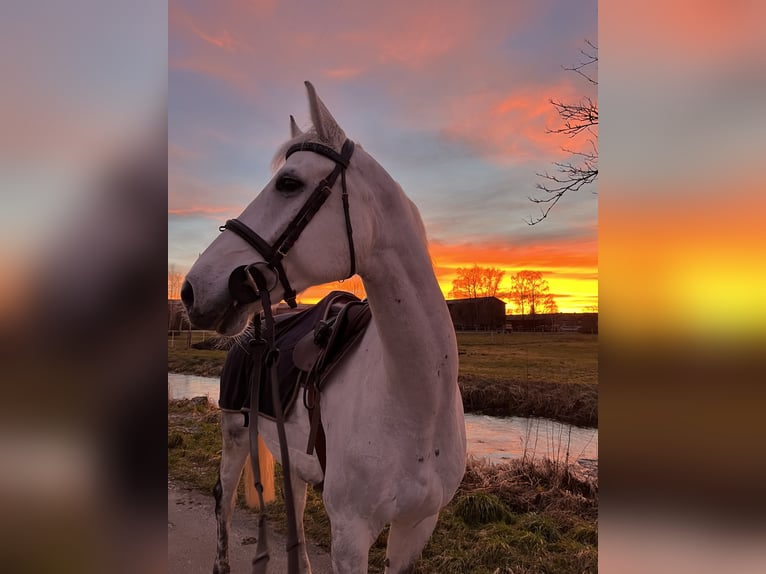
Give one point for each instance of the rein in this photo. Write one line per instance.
(273, 254)
(265, 355)
(263, 348)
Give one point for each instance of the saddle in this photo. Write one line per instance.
(318, 352)
(311, 344)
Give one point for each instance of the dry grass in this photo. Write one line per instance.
(573, 403)
(538, 485)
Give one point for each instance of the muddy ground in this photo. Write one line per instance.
(192, 531)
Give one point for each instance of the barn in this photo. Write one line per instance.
(477, 314)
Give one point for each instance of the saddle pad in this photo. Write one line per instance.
(288, 331)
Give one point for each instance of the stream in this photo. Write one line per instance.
(493, 438)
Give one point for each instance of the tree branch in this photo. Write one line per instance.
(577, 118)
(590, 58)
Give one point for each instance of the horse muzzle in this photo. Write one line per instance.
(247, 282)
(226, 313)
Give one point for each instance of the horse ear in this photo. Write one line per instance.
(295, 131)
(328, 129)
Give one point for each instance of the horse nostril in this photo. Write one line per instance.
(187, 295)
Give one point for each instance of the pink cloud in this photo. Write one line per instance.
(343, 73)
(204, 210)
(224, 40)
(188, 195)
(179, 152)
(511, 125)
(394, 35)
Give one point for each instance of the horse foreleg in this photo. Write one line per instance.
(235, 450)
(299, 497)
(351, 541)
(405, 544)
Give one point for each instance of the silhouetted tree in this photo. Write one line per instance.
(474, 282)
(549, 304)
(581, 117)
(175, 279)
(530, 293)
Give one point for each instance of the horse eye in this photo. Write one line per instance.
(287, 183)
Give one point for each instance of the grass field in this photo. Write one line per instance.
(551, 375)
(538, 357)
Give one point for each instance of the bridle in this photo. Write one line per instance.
(273, 254)
(263, 349)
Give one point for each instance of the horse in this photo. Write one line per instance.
(392, 411)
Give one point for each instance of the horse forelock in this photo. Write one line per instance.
(310, 135)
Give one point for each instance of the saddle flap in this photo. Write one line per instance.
(350, 324)
(306, 352)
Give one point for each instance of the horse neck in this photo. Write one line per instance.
(406, 302)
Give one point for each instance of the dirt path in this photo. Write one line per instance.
(191, 537)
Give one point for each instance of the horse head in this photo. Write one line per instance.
(299, 231)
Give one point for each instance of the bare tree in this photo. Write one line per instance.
(175, 278)
(578, 118)
(531, 293)
(474, 282)
(549, 304)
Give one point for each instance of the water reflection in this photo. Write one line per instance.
(188, 386)
(502, 438)
(495, 438)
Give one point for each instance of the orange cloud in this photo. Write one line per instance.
(573, 254)
(570, 269)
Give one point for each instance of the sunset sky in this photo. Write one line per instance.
(451, 98)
